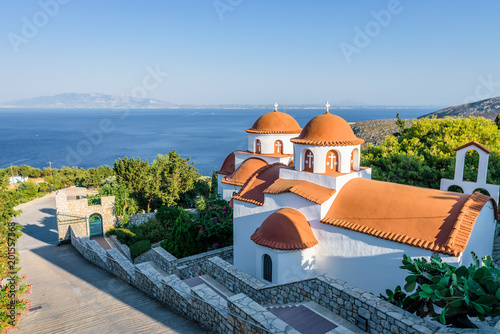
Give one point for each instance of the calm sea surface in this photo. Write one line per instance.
(93, 137)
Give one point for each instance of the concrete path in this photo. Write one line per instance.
(71, 295)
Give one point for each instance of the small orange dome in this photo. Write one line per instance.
(285, 229)
(275, 122)
(327, 130)
(244, 171)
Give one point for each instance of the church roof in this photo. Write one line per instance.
(327, 130)
(432, 219)
(244, 171)
(253, 190)
(275, 122)
(310, 191)
(228, 166)
(285, 229)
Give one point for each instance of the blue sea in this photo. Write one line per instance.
(92, 137)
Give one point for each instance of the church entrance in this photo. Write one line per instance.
(95, 225)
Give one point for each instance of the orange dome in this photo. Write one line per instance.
(327, 130)
(244, 171)
(275, 122)
(285, 229)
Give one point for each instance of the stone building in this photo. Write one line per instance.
(73, 209)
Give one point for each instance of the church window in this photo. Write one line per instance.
(332, 161)
(258, 146)
(309, 161)
(268, 268)
(278, 147)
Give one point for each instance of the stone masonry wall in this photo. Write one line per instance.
(80, 208)
(246, 311)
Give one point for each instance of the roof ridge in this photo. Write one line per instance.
(356, 141)
(462, 229)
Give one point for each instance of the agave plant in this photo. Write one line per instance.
(459, 292)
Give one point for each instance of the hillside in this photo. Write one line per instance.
(488, 108)
(90, 100)
(375, 131)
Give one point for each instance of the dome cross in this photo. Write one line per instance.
(276, 106)
(327, 105)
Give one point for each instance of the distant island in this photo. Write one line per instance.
(488, 108)
(104, 101)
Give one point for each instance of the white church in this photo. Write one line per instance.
(303, 206)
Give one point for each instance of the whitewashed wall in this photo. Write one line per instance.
(267, 142)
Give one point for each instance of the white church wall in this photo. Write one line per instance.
(287, 266)
(363, 260)
(469, 187)
(320, 156)
(226, 190)
(482, 236)
(268, 140)
(329, 181)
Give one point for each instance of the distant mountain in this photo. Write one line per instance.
(91, 100)
(488, 108)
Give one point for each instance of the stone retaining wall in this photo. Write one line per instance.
(139, 218)
(245, 311)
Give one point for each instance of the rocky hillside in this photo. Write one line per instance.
(488, 108)
(375, 131)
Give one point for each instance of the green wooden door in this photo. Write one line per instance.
(95, 225)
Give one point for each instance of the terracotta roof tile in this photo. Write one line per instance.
(228, 166)
(310, 191)
(244, 171)
(474, 143)
(253, 190)
(285, 229)
(327, 130)
(274, 155)
(437, 220)
(275, 122)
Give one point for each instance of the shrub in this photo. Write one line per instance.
(182, 241)
(459, 292)
(139, 248)
(125, 236)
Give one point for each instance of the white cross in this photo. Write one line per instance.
(276, 106)
(278, 145)
(332, 157)
(310, 161)
(258, 145)
(327, 105)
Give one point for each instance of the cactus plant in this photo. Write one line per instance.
(459, 292)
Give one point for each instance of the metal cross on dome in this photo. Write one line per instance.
(327, 105)
(276, 106)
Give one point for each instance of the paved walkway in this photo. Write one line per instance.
(71, 295)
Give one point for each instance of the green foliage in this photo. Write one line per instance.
(162, 182)
(12, 289)
(201, 188)
(93, 199)
(424, 153)
(182, 241)
(124, 205)
(497, 121)
(153, 230)
(215, 224)
(215, 184)
(139, 248)
(125, 236)
(401, 124)
(460, 292)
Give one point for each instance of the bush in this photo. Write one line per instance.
(125, 236)
(182, 241)
(152, 230)
(459, 292)
(139, 248)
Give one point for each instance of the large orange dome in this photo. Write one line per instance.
(285, 229)
(275, 122)
(327, 130)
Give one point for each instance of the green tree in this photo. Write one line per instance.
(12, 289)
(401, 124)
(497, 121)
(182, 240)
(425, 152)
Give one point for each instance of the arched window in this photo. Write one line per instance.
(258, 146)
(268, 268)
(278, 147)
(309, 161)
(352, 160)
(456, 189)
(332, 161)
(482, 191)
(471, 166)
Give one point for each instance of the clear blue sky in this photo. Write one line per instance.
(427, 53)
